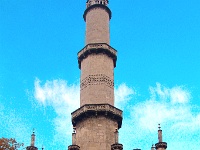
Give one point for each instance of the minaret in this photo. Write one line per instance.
(97, 119)
(160, 145)
(32, 147)
(116, 145)
(74, 146)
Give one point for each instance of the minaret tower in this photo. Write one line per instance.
(97, 120)
(160, 145)
(32, 147)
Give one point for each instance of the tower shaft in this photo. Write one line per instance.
(97, 119)
(97, 17)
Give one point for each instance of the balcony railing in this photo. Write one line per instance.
(97, 109)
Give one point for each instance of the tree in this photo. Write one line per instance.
(9, 144)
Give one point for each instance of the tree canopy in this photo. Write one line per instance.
(9, 144)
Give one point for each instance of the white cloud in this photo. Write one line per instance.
(123, 94)
(13, 124)
(169, 106)
(64, 99)
(172, 108)
(166, 105)
(175, 95)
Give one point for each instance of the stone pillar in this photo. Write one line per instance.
(117, 146)
(74, 146)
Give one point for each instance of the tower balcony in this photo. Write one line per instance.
(97, 48)
(161, 145)
(73, 147)
(89, 110)
(93, 2)
(117, 146)
(31, 148)
(97, 3)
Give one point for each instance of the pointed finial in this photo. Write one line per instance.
(33, 131)
(159, 133)
(33, 138)
(42, 147)
(159, 127)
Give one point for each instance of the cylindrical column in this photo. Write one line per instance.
(33, 139)
(160, 145)
(116, 135)
(97, 80)
(159, 133)
(97, 17)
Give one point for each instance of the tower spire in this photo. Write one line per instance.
(159, 133)
(160, 145)
(33, 138)
(32, 145)
(116, 145)
(74, 146)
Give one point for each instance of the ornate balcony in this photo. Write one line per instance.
(97, 110)
(92, 2)
(31, 148)
(117, 146)
(97, 48)
(73, 147)
(161, 145)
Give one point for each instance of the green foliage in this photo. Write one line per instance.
(9, 144)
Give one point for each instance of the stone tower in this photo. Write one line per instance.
(32, 147)
(160, 145)
(97, 121)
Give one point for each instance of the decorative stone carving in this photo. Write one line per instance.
(97, 48)
(95, 110)
(93, 5)
(92, 2)
(117, 146)
(97, 80)
(161, 145)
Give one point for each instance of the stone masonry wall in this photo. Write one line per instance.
(97, 26)
(96, 133)
(97, 83)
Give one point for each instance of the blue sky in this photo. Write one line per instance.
(157, 78)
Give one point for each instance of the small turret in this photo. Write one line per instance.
(116, 146)
(33, 139)
(74, 146)
(159, 133)
(160, 145)
(32, 147)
